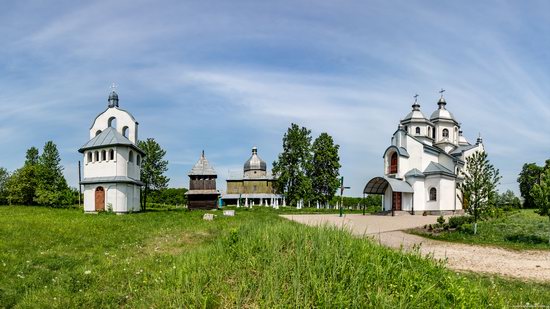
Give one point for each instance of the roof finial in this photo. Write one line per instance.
(113, 97)
(202, 155)
(479, 139)
(415, 97)
(441, 91)
(441, 101)
(415, 105)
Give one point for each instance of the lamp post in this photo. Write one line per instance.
(342, 194)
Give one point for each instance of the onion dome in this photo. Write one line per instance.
(255, 162)
(415, 113)
(113, 99)
(461, 139)
(442, 112)
(479, 140)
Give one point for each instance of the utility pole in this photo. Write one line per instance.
(342, 194)
(79, 185)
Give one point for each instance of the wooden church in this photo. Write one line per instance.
(202, 192)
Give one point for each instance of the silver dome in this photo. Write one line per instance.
(255, 162)
(442, 112)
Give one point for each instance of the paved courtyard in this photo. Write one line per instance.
(388, 231)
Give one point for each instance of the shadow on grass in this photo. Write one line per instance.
(526, 239)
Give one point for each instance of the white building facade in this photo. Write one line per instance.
(422, 166)
(112, 162)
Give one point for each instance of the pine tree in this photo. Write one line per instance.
(293, 164)
(153, 167)
(51, 184)
(325, 168)
(479, 185)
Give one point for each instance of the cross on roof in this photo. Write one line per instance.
(441, 91)
(415, 97)
(114, 86)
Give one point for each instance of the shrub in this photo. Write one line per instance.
(440, 220)
(466, 228)
(456, 222)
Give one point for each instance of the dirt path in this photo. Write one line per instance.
(525, 264)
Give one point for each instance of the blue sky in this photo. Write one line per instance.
(224, 76)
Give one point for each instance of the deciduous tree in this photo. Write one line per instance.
(528, 177)
(293, 164)
(541, 195)
(153, 167)
(325, 168)
(479, 185)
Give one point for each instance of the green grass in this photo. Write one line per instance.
(63, 258)
(523, 229)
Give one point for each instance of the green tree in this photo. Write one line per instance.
(4, 177)
(528, 177)
(325, 166)
(541, 195)
(52, 186)
(508, 199)
(293, 164)
(153, 167)
(479, 185)
(21, 186)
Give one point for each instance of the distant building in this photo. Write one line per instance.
(202, 192)
(254, 186)
(112, 162)
(423, 163)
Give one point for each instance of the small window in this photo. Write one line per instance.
(445, 133)
(97, 132)
(125, 132)
(96, 156)
(131, 156)
(103, 155)
(112, 122)
(89, 157)
(417, 130)
(407, 129)
(433, 133)
(138, 160)
(433, 194)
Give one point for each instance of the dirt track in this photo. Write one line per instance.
(387, 230)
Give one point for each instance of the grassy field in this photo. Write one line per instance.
(63, 258)
(524, 229)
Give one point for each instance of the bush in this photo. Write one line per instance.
(440, 220)
(466, 228)
(456, 222)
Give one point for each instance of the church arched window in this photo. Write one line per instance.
(111, 154)
(97, 132)
(96, 156)
(429, 131)
(103, 155)
(125, 132)
(417, 130)
(445, 133)
(131, 156)
(393, 163)
(112, 122)
(433, 133)
(433, 194)
(90, 157)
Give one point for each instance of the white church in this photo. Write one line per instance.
(112, 162)
(423, 163)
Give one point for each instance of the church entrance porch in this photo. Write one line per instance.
(99, 199)
(397, 195)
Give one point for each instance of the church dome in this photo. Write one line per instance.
(415, 114)
(113, 99)
(442, 112)
(255, 162)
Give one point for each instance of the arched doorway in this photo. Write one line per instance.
(99, 199)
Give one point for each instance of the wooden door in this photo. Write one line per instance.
(99, 199)
(396, 201)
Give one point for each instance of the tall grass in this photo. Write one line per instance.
(62, 258)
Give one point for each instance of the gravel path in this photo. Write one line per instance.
(387, 230)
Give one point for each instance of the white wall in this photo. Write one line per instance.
(122, 197)
(123, 119)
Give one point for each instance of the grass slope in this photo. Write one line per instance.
(63, 258)
(524, 229)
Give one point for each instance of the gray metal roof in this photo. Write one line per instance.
(119, 179)
(250, 195)
(108, 137)
(202, 168)
(255, 162)
(436, 168)
(460, 149)
(400, 151)
(414, 173)
(378, 185)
